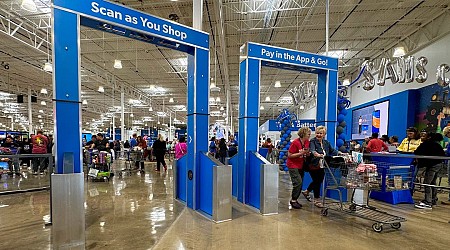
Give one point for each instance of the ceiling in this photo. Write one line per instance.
(151, 75)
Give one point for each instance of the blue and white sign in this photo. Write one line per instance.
(121, 15)
(296, 124)
(281, 55)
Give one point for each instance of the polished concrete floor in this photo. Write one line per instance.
(138, 212)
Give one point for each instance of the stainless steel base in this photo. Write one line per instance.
(269, 189)
(222, 197)
(68, 212)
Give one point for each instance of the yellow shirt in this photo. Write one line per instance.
(409, 145)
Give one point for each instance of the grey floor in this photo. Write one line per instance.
(138, 212)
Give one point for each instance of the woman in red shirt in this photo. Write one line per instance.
(298, 150)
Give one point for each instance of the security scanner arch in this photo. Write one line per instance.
(68, 15)
(249, 180)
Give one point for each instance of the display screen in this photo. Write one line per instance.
(370, 119)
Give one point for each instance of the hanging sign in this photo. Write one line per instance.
(121, 15)
(299, 58)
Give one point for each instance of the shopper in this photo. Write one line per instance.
(159, 150)
(101, 144)
(320, 148)
(91, 144)
(268, 144)
(180, 148)
(232, 146)
(354, 146)
(411, 142)
(212, 146)
(446, 133)
(297, 153)
(376, 145)
(222, 150)
(393, 141)
(385, 139)
(430, 147)
(25, 148)
(40, 143)
(133, 141)
(13, 148)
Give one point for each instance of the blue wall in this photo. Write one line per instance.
(402, 111)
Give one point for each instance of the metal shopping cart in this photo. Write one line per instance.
(352, 176)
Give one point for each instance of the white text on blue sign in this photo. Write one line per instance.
(165, 28)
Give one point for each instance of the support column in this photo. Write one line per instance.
(68, 212)
(197, 120)
(122, 115)
(197, 14)
(248, 121)
(30, 114)
(327, 103)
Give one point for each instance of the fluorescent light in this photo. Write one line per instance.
(302, 107)
(101, 89)
(48, 67)
(39, 116)
(346, 82)
(277, 84)
(41, 111)
(213, 85)
(44, 91)
(43, 103)
(131, 115)
(84, 102)
(399, 52)
(261, 108)
(40, 120)
(159, 122)
(267, 98)
(171, 99)
(117, 64)
(218, 99)
(150, 109)
(221, 108)
(28, 5)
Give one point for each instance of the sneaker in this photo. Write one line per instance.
(295, 204)
(422, 205)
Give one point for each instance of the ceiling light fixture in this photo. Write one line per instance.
(29, 5)
(101, 89)
(84, 102)
(150, 109)
(277, 84)
(261, 108)
(218, 99)
(171, 99)
(39, 116)
(267, 98)
(222, 109)
(302, 107)
(43, 103)
(48, 67)
(41, 111)
(117, 64)
(44, 91)
(346, 82)
(399, 51)
(131, 115)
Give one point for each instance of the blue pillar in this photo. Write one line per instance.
(198, 120)
(327, 103)
(248, 121)
(66, 89)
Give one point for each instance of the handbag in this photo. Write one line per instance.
(306, 159)
(317, 163)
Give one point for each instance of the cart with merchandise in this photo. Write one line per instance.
(6, 164)
(100, 167)
(353, 176)
(132, 156)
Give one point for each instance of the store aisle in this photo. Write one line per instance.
(137, 212)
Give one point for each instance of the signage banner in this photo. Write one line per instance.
(296, 124)
(121, 15)
(299, 58)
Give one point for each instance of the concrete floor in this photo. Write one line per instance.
(138, 212)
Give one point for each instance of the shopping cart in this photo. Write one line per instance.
(100, 167)
(352, 176)
(132, 156)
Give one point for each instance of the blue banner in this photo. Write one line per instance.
(281, 55)
(121, 15)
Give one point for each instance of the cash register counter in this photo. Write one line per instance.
(397, 174)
